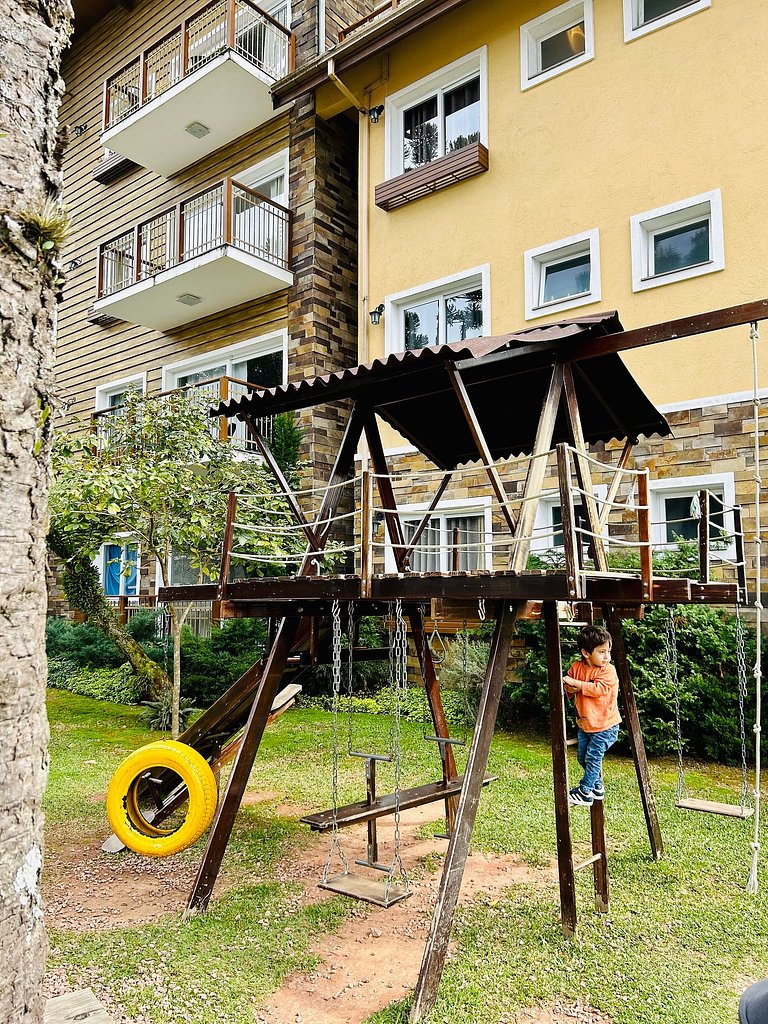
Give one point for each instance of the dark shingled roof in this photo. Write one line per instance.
(412, 392)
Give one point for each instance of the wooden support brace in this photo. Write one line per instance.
(583, 473)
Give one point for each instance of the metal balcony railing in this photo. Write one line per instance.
(236, 25)
(226, 213)
(209, 393)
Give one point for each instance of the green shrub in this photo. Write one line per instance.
(413, 705)
(120, 684)
(158, 713)
(81, 643)
(209, 666)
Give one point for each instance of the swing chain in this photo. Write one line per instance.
(670, 650)
(350, 674)
(400, 682)
(336, 679)
(741, 675)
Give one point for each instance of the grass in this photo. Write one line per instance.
(682, 938)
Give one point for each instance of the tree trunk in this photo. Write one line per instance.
(81, 585)
(176, 691)
(32, 37)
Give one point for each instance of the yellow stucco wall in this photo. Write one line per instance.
(662, 118)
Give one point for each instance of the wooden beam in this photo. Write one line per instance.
(465, 403)
(634, 731)
(458, 848)
(704, 536)
(226, 551)
(537, 470)
(613, 489)
(644, 533)
(425, 518)
(600, 855)
(571, 541)
(560, 770)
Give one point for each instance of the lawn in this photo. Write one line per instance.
(682, 938)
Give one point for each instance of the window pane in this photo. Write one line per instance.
(562, 46)
(266, 370)
(130, 567)
(579, 515)
(462, 116)
(567, 278)
(471, 547)
(681, 523)
(420, 137)
(112, 564)
(681, 247)
(195, 377)
(183, 574)
(426, 555)
(422, 325)
(115, 399)
(652, 9)
(464, 316)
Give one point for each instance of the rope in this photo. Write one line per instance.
(336, 677)
(754, 337)
(741, 678)
(400, 689)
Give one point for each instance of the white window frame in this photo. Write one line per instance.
(633, 29)
(534, 32)
(273, 165)
(460, 506)
(230, 355)
(683, 487)
(104, 391)
(396, 303)
(124, 540)
(643, 227)
(447, 78)
(543, 256)
(544, 527)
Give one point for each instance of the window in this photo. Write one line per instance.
(555, 42)
(118, 568)
(675, 510)
(438, 115)
(112, 395)
(256, 224)
(457, 537)
(548, 528)
(562, 275)
(644, 16)
(678, 241)
(453, 309)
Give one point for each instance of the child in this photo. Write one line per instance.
(595, 685)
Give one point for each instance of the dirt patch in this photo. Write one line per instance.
(561, 1013)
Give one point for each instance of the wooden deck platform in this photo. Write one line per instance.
(75, 1006)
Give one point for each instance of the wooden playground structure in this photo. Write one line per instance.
(539, 397)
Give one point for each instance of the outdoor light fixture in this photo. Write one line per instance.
(79, 129)
(188, 299)
(375, 314)
(74, 264)
(198, 130)
(375, 113)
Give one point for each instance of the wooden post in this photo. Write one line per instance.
(455, 549)
(560, 770)
(227, 211)
(571, 542)
(632, 721)
(184, 48)
(105, 106)
(644, 535)
(142, 78)
(226, 551)
(613, 489)
(122, 609)
(537, 470)
(223, 397)
(366, 532)
(583, 473)
(704, 536)
(231, 24)
(458, 848)
(597, 823)
(741, 565)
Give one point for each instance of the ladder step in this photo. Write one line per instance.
(352, 814)
(369, 890)
(588, 862)
(713, 807)
(370, 757)
(443, 740)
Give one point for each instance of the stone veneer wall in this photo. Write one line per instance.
(322, 311)
(339, 14)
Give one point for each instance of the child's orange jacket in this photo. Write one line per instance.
(597, 703)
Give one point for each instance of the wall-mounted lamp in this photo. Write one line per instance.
(74, 264)
(375, 113)
(377, 520)
(376, 313)
(79, 129)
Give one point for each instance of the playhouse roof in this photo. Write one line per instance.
(506, 378)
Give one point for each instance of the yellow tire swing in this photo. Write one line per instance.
(130, 824)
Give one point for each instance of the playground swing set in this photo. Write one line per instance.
(518, 402)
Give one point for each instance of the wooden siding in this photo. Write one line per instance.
(89, 355)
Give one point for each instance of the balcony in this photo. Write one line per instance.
(199, 87)
(208, 393)
(221, 247)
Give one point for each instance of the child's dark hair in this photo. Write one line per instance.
(591, 637)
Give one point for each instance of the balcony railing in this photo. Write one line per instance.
(208, 393)
(236, 25)
(224, 214)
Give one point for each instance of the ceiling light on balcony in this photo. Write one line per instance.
(189, 299)
(198, 130)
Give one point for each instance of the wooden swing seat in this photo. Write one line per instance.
(713, 807)
(353, 814)
(369, 890)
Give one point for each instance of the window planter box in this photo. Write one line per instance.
(439, 174)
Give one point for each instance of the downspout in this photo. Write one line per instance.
(321, 40)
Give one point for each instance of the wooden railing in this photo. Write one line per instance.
(209, 392)
(226, 213)
(390, 6)
(221, 25)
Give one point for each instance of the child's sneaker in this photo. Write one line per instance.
(599, 791)
(578, 797)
